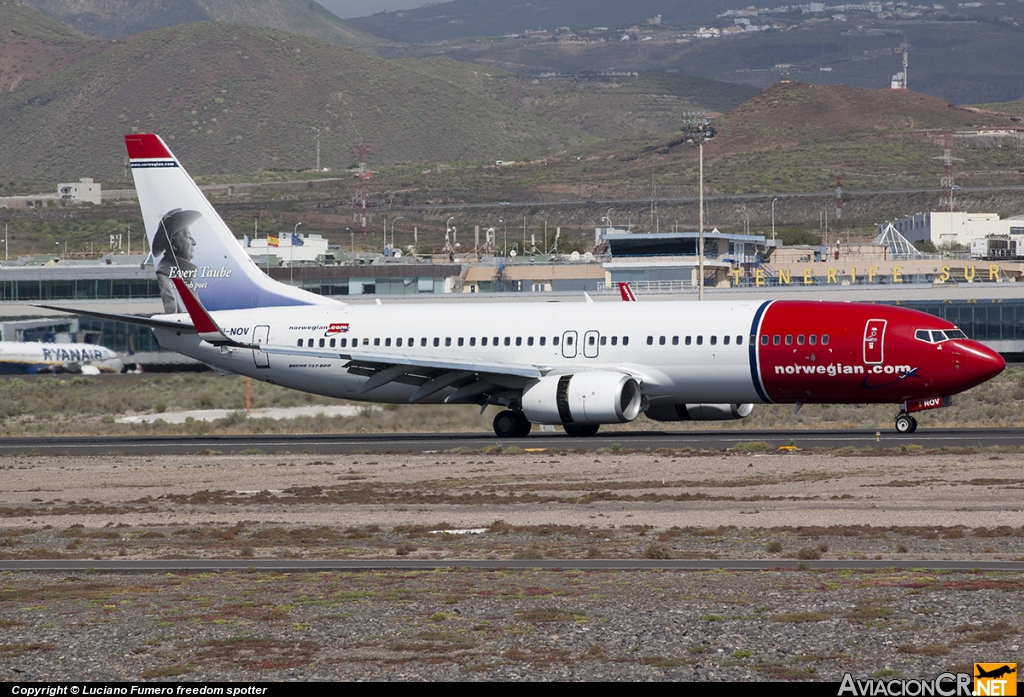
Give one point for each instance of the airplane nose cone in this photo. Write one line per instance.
(982, 362)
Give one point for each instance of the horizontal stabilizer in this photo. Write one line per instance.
(181, 325)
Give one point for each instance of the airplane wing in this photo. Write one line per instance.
(383, 367)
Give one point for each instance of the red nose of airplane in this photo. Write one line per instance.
(982, 363)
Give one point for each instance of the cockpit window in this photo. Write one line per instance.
(935, 336)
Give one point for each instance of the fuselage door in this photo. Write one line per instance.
(261, 335)
(591, 340)
(569, 345)
(874, 338)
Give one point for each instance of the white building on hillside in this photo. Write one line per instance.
(957, 227)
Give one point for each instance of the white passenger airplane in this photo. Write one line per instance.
(29, 357)
(577, 365)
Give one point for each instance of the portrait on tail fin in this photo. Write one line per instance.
(173, 249)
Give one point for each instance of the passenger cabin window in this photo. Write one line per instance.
(529, 341)
(812, 339)
(437, 341)
(460, 341)
(764, 339)
(789, 339)
(423, 341)
(387, 342)
(300, 343)
(344, 343)
(322, 343)
(650, 341)
(625, 341)
(700, 340)
(615, 341)
(776, 340)
(675, 341)
(332, 343)
(376, 342)
(725, 339)
(689, 340)
(483, 341)
(714, 339)
(604, 340)
(661, 341)
(739, 339)
(472, 341)
(398, 342)
(824, 339)
(519, 341)
(543, 340)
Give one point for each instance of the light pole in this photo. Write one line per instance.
(695, 126)
(393, 231)
(773, 217)
(291, 252)
(353, 234)
(64, 249)
(504, 243)
(746, 222)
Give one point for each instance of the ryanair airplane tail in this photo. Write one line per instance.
(189, 240)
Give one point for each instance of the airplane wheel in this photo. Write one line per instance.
(524, 427)
(913, 424)
(581, 430)
(905, 423)
(511, 424)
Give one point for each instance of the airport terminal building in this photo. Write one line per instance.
(985, 299)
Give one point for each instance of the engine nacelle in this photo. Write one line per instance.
(699, 412)
(591, 397)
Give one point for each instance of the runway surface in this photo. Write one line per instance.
(430, 442)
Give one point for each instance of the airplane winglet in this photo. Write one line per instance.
(627, 293)
(205, 325)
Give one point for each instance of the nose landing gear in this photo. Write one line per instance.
(905, 423)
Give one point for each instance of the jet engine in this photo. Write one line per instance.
(592, 397)
(699, 412)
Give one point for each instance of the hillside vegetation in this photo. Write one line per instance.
(111, 19)
(233, 98)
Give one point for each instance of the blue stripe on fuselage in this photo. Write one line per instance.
(755, 374)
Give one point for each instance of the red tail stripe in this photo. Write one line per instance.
(145, 146)
(202, 321)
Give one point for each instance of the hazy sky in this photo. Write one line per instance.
(361, 8)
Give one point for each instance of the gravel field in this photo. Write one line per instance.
(478, 625)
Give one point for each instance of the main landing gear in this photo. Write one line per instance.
(905, 423)
(581, 430)
(511, 424)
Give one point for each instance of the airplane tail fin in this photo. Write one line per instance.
(189, 240)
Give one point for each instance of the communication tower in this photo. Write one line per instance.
(947, 181)
(360, 216)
